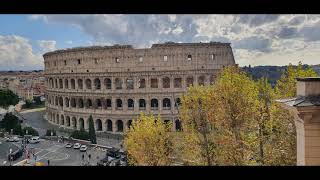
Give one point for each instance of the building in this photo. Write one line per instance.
(306, 110)
(116, 83)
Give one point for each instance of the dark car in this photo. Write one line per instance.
(114, 153)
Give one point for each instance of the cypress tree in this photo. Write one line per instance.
(92, 132)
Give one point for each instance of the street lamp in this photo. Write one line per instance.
(10, 156)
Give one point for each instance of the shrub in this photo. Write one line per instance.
(48, 133)
(31, 131)
(82, 134)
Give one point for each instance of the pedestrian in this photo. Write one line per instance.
(48, 162)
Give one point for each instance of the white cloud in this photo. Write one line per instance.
(47, 45)
(16, 54)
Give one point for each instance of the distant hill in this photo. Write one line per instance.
(273, 73)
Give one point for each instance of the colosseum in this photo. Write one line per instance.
(116, 83)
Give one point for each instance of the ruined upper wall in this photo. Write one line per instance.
(123, 58)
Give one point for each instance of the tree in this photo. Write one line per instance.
(8, 98)
(9, 122)
(92, 132)
(286, 85)
(18, 130)
(31, 131)
(149, 142)
(82, 134)
(197, 142)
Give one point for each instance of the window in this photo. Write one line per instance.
(177, 102)
(166, 82)
(119, 104)
(189, 81)
(140, 59)
(189, 57)
(65, 62)
(97, 83)
(108, 83)
(88, 84)
(98, 103)
(213, 56)
(154, 104)
(79, 62)
(80, 84)
(117, 60)
(142, 104)
(166, 104)
(201, 80)
(73, 84)
(66, 84)
(154, 83)
(165, 58)
(178, 82)
(142, 83)
(130, 83)
(118, 83)
(130, 104)
(109, 106)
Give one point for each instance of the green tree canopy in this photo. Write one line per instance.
(9, 122)
(8, 98)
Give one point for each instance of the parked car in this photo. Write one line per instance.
(113, 152)
(34, 140)
(68, 145)
(76, 146)
(105, 161)
(13, 139)
(83, 148)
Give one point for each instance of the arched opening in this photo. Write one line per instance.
(80, 84)
(166, 104)
(178, 102)
(97, 83)
(108, 83)
(109, 125)
(166, 82)
(56, 83)
(81, 123)
(189, 57)
(60, 83)
(130, 104)
(88, 84)
(154, 83)
(80, 103)
(53, 118)
(177, 82)
(89, 103)
(130, 83)
(68, 121)
(67, 102)
(56, 101)
(119, 104)
(154, 104)
(142, 104)
(129, 124)
(98, 125)
(74, 123)
(66, 84)
(118, 83)
(58, 119)
(201, 81)
(62, 120)
(73, 84)
(142, 83)
(98, 103)
(73, 102)
(108, 103)
(119, 126)
(178, 125)
(189, 81)
(61, 101)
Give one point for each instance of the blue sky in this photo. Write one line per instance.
(255, 39)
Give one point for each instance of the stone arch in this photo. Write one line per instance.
(73, 102)
(66, 83)
(154, 83)
(98, 125)
(98, 103)
(189, 81)
(108, 83)
(108, 103)
(119, 124)
(56, 83)
(166, 82)
(97, 83)
(118, 83)
(61, 101)
(178, 125)
(129, 124)
(119, 104)
(62, 120)
(53, 118)
(80, 103)
(130, 83)
(73, 84)
(177, 82)
(58, 119)
(56, 101)
(67, 102)
(142, 83)
(68, 121)
(74, 122)
(88, 103)
(201, 80)
(88, 84)
(81, 123)
(154, 104)
(142, 104)
(80, 83)
(177, 102)
(130, 104)
(60, 83)
(109, 125)
(166, 103)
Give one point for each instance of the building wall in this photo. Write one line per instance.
(76, 77)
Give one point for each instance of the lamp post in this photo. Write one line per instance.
(10, 156)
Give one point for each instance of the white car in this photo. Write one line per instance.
(83, 148)
(68, 145)
(76, 146)
(34, 140)
(14, 139)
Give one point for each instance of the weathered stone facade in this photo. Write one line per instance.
(115, 84)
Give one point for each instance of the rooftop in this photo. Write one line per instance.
(309, 79)
(301, 101)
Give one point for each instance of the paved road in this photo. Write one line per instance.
(4, 151)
